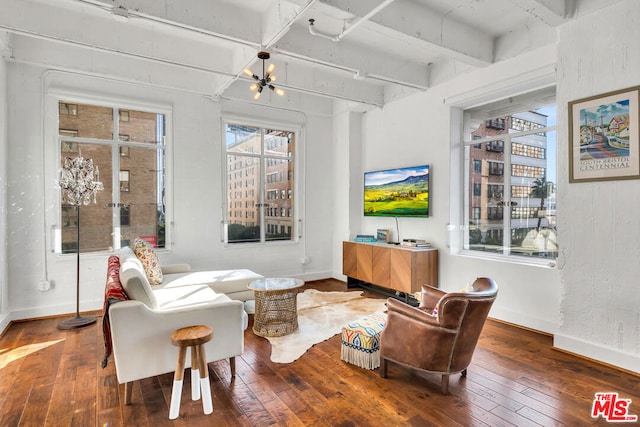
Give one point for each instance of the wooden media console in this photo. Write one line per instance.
(394, 268)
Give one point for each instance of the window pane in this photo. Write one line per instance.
(95, 218)
(136, 206)
(533, 225)
(279, 221)
(278, 143)
(243, 139)
(260, 187)
(140, 126)
(486, 189)
(243, 197)
(125, 216)
(124, 181)
(85, 121)
(512, 185)
(144, 197)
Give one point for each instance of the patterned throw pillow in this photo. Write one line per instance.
(147, 256)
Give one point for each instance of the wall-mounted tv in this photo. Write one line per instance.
(402, 192)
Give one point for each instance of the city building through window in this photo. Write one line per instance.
(135, 162)
(261, 208)
(510, 180)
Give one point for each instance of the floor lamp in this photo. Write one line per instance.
(78, 183)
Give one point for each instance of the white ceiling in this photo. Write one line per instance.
(367, 52)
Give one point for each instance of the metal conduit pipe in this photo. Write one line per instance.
(338, 37)
(121, 12)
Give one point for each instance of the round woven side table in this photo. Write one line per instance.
(276, 308)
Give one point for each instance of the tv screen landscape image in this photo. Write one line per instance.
(402, 192)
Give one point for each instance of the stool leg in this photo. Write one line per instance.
(176, 392)
(207, 405)
(128, 389)
(195, 374)
(232, 365)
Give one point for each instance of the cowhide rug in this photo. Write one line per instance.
(321, 315)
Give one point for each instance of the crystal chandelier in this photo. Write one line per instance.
(266, 80)
(77, 181)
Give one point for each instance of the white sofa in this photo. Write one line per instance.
(141, 327)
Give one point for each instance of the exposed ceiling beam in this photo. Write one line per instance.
(550, 12)
(280, 17)
(352, 58)
(5, 44)
(417, 23)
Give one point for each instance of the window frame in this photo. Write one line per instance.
(298, 173)
(457, 227)
(54, 156)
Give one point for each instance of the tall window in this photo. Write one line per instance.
(259, 184)
(510, 176)
(132, 170)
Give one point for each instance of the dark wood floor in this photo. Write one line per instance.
(53, 378)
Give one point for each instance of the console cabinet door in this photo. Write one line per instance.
(425, 269)
(349, 259)
(400, 270)
(381, 266)
(364, 255)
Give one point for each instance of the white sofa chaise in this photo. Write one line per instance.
(140, 328)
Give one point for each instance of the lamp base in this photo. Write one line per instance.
(77, 322)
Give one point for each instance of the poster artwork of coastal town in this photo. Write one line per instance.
(604, 136)
(608, 137)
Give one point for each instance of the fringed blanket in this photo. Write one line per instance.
(113, 293)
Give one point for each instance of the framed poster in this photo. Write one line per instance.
(603, 137)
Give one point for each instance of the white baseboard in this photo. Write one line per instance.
(316, 275)
(598, 352)
(55, 310)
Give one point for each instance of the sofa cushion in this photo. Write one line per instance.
(147, 256)
(233, 283)
(188, 295)
(134, 280)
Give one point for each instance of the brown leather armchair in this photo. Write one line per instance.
(441, 342)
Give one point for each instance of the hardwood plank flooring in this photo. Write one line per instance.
(50, 377)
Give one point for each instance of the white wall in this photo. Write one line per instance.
(598, 221)
(197, 171)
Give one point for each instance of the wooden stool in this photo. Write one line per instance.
(194, 337)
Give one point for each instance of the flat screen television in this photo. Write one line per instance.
(402, 192)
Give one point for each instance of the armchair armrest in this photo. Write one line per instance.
(175, 268)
